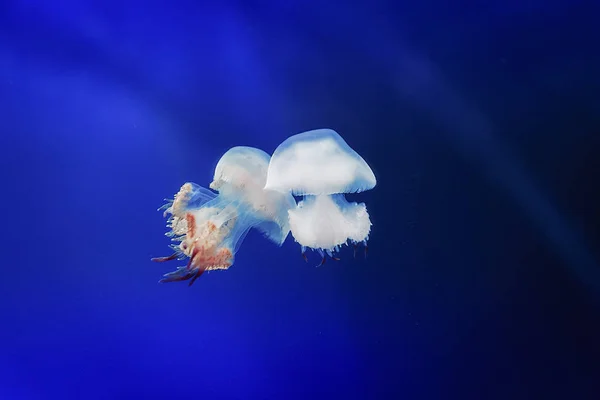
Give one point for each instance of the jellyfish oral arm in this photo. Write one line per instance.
(327, 222)
(210, 227)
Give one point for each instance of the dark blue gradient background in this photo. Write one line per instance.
(481, 122)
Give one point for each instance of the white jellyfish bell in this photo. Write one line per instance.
(320, 166)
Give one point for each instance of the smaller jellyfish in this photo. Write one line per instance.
(208, 228)
(320, 166)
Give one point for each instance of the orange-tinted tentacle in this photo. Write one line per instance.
(322, 261)
(177, 278)
(199, 272)
(163, 259)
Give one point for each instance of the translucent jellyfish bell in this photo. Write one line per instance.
(210, 227)
(241, 173)
(320, 166)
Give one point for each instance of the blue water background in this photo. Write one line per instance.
(480, 121)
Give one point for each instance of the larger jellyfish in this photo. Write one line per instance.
(320, 166)
(208, 228)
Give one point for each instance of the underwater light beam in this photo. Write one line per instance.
(418, 80)
(473, 135)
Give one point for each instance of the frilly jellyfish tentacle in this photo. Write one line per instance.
(209, 228)
(203, 224)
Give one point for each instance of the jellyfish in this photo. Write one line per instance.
(208, 228)
(320, 166)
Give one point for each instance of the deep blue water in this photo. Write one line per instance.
(481, 122)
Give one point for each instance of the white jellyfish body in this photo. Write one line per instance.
(320, 166)
(210, 227)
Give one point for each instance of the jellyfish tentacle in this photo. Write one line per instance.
(323, 255)
(165, 259)
(331, 254)
(199, 272)
(192, 256)
(181, 274)
(322, 261)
